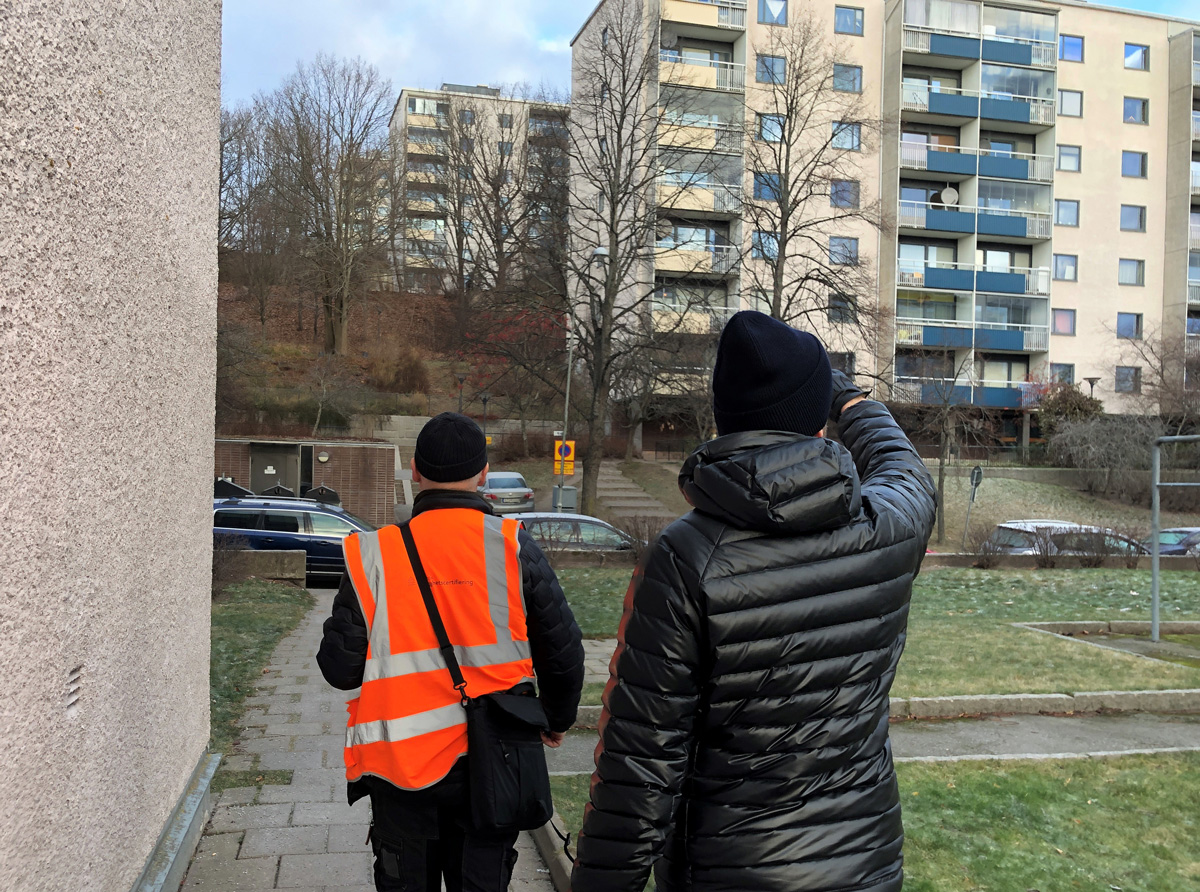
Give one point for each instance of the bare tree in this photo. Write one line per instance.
(1167, 380)
(326, 133)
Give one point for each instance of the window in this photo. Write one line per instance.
(236, 520)
(284, 521)
(1133, 164)
(1137, 111)
(847, 78)
(1133, 218)
(1131, 272)
(466, 144)
(1129, 326)
(770, 128)
(842, 362)
(771, 69)
(1137, 56)
(1066, 212)
(505, 148)
(1066, 267)
(1070, 48)
(1129, 379)
(843, 251)
(766, 186)
(847, 20)
(506, 122)
(603, 145)
(1070, 103)
(772, 12)
(843, 193)
(842, 309)
(1062, 373)
(604, 39)
(764, 245)
(419, 106)
(1063, 322)
(466, 116)
(328, 525)
(1069, 158)
(847, 136)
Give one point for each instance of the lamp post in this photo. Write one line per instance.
(462, 379)
(1092, 382)
(485, 396)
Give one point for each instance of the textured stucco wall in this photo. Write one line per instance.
(108, 169)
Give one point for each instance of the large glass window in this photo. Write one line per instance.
(770, 128)
(843, 251)
(1066, 212)
(847, 78)
(1133, 218)
(919, 364)
(1005, 144)
(766, 186)
(1137, 111)
(1070, 103)
(1133, 164)
(943, 15)
(1062, 373)
(1131, 272)
(1068, 158)
(328, 525)
(913, 257)
(1137, 56)
(1070, 48)
(843, 193)
(1066, 267)
(1194, 266)
(1008, 80)
(771, 69)
(847, 20)
(690, 237)
(419, 106)
(847, 136)
(764, 245)
(1129, 326)
(918, 305)
(283, 521)
(1002, 258)
(1128, 379)
(842, 309)
(1062, 322)
(772, 12)
(1030, 198)
(237, 520)
(1018, 24)
(1001, 309)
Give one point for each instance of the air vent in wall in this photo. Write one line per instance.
(74, 689)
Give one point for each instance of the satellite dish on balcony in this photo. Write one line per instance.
(670, 39)
(947, 197)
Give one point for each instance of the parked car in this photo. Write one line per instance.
(1177, 540)
(577, 533)
(1019, 537)
(283, 524)
(507, 493)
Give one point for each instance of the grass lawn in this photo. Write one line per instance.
(1128, 823)
(960, 636)
(248, 621)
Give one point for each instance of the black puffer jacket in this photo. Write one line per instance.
(554, 638)
(744, 736)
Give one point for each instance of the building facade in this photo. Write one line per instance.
(1014, 184)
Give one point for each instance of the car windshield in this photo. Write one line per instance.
(508, 481)
(1008, 538)
(1173, 537)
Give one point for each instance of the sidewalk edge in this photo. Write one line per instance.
(549, 846)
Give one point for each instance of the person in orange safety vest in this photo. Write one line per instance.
(509, 622)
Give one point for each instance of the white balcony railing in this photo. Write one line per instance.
(1196, 71)
(910, 330)
(1037, 280)
(1037, 225)
(915, 155)
(730, 13)
(1193, 345)
(1041, 167)
(691, 318)
(1195, 125)
(721, 258)
(725, 75)
(1194, 237)
(1196, 182)
(1041, 111)
(678, 132)
(726, 197)
(913, 213)
(1193, 294)
(915, 97)
(911, 274)
(1037, 337)
(1043, 53)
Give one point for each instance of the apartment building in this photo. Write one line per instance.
(1039, 199)
(473, 162)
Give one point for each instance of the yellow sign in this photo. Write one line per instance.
(489, 441)
(564, 453)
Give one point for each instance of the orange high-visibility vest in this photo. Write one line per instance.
(407, 725)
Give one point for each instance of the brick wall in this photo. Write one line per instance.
(232, 459)
(364, 476)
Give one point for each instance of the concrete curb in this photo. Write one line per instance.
(1187, 700)
(167, 864)
(549, 846)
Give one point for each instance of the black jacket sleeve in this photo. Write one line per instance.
(889, 467)
(343, 653)
(554, 637)
(648, 726)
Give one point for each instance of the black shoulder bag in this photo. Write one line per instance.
(506, 761)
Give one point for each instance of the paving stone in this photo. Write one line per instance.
(254, 717)
(348, 838)
(319, 776)
(318, 742)
(266, 745)
(327, 869)
(291, 729)
(245, 817)
(296, 793)
(289, 760)
(238, 796)
(237, 762)
(219, 845)
(232, 875)
(285, 841)
(331, 813)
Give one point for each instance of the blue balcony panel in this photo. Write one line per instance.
(954, 104)
(948, 394)
(999, 339)
(1008, 168)
(949, 221)
(950, 162)
(942, 336)
(1004, 110)
(1008, 53)
(1004, 283)
(998, 397)
(954, 279)
(949, 45)
(995, 224)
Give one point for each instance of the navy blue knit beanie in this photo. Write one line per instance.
(769, 376)
(450, 448)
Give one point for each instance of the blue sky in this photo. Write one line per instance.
(421, 43)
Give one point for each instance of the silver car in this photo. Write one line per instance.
(1065, 537)
(577, 533)
(507, 493)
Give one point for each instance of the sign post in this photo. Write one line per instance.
(976, 479)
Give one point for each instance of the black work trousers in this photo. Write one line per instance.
(422, 837)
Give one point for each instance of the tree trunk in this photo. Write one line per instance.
(317, 423)
(943, 446)
(327, 316)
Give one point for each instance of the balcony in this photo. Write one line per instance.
(724, 14)
(701, 73)
(1195, 182)
(1020, 51)
(1011, 337)
(1192, 346)
(950, 102)
(932, 391)
(700, 136)
(948, 160)
(695, 319)
(1194, 237)
(1196, 72)
(1002, 394)
(1014, 280)
(941, 42)
(941, 274)
(703, 260)
(1193, 297)
(935, 217)
(971, 45)
(1195, 126)
(701, 194)
(1016, 166)
(943, 333)
(1016, 109)
(1009, 223)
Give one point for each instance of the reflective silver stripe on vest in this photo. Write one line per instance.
(407, 727)
(372, 564)
(477, 657)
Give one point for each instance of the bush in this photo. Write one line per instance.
(1044, 556)
(1065, 403)
(399, 369)
(645, 530)
(980, 544)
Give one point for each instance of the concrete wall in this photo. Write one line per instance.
(108, 172)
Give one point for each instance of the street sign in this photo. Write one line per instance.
(489, 440)
(564, 454)
(976, 477)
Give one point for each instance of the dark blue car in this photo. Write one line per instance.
(280, 524)
(1176, 541)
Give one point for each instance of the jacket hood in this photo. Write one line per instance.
(773, 482)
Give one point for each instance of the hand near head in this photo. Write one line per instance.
(845, 394)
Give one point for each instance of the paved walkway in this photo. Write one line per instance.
(301, 836)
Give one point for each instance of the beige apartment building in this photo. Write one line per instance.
(1039, 200)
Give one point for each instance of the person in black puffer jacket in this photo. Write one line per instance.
(744, 737)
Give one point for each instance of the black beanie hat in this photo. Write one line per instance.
(768, 376)
(450, 448)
